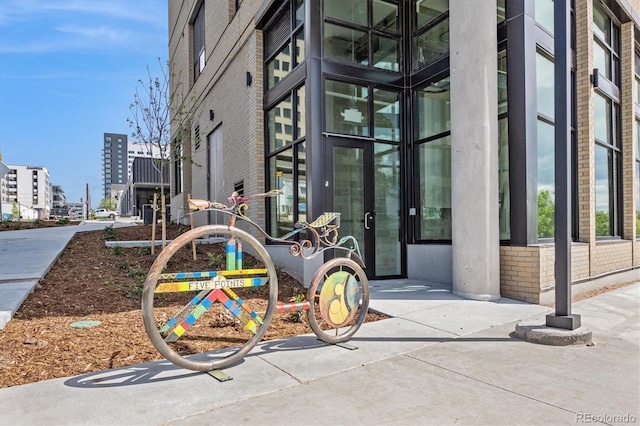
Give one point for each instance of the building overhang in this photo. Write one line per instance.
(260, 17)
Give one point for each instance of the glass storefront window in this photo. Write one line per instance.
(280, 125)
(299, 12)
(602, 175)
(346, 43)
(386, 119)
(302, 181)
(282, 209)
(279, 66)
(433, 109)
(502, 12)
(432, 44)
(301, 119)
(386, 53)
(545, 86)
(602, 118)
(385, 17)
(346, 109)
(502, 82)
(434, 165)
(354, 11)
(503, 179)
(637, 187)
(299, 47)
(637, 179)
(546, 179)
(602, 60)
(544, 14)
(427, 11)
(602, 23)
(363, 32)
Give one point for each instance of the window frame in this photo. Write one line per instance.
(198, 40)
(371, 33)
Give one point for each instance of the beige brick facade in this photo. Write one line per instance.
(627, 101)
(584, 108)
(234, 47)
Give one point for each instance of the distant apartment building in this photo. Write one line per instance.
(28, 186)
(117, 158)
(58, 198)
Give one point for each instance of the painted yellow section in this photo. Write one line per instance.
(214, 283)
(178, 331)
(172, 276)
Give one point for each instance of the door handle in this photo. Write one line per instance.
(366, 220)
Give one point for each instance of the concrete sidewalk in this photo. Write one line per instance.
(440, 360)
(27, 255)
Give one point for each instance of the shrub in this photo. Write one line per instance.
(146, 250)
(134, 291)
(296, 316)
(215, 260)
(109, 233)
(116, 250)
(136, 272)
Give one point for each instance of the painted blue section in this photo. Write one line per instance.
(183, 275)
(206, 303)
(190, 319)
(171, 322)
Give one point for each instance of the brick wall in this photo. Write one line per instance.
(584, 101)
(526, 272)
(233, 48)
(611, 255)
(628, 125)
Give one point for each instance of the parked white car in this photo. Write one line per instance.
(104, 213)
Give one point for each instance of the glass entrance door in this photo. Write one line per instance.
(366, 191)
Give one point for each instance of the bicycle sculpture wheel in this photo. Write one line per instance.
(339, 296)
(189, 313)
(210, 317)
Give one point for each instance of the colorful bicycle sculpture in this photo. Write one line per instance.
(336, 301)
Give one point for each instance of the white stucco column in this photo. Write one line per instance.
(474, 149)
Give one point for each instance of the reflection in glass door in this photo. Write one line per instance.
(366, 191)
(386, 176)
(348, 192)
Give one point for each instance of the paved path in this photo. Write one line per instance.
(27, 255)
(440, 360)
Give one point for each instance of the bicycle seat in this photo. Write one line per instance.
(325, 219)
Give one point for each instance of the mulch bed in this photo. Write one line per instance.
(92, 282)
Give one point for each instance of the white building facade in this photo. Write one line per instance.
(28, 187)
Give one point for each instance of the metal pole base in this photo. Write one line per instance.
(567, 322)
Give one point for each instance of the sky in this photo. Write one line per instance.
(68, 72)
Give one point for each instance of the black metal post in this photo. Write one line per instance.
(563, 318)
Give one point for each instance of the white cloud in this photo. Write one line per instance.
(138, 11)
(80, 26)
(102, 33)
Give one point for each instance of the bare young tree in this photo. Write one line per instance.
(151, 119)
(156, 106)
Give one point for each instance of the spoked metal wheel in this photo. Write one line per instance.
(339, 298)
(226, 301)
